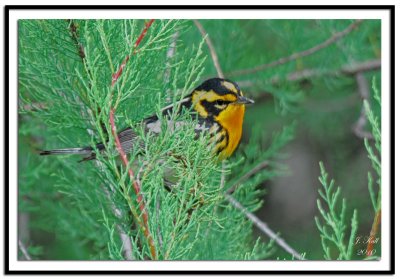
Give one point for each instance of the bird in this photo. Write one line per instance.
(218, 106)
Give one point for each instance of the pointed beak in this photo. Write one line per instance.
(244, 101)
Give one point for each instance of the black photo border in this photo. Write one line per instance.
(8, 8)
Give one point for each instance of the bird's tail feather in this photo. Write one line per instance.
(76, 150)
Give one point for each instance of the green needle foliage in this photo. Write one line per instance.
(90, 210)
(65, 76)
(334, 229)
(374, 155)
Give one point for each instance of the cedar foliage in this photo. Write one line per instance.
(81, 210)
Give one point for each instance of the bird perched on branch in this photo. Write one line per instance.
(217, 104)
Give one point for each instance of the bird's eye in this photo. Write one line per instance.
(220, 103)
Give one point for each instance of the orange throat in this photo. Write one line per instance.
(231, 120)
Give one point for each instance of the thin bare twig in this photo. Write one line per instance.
(24, 250)
(264, 228)
(210, 45)
(363, 90)
(261, 225)
(347, 70)
(335, 37)
(360, 67)
(253, 171)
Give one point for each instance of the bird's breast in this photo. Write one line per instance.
(231, 121)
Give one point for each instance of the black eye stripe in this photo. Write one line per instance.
(211, 107)
(221, 102)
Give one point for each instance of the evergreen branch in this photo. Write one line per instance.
(373, 233)
(126, 243)
(24, 250)
(34, 106)
(264, 228)
(376, 164)
(210, 45)
(139, 197)
(334, 219)
(334, 38)
(116, 75)
(73, 28)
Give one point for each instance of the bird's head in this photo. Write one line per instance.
(219, 99)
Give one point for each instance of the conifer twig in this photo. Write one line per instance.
(139, 197)
(24, 250)
(126, 243)
(264, 228)
(139, 39)
(335, 37)
(210, 45)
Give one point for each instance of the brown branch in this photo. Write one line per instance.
(360, 67)
(347, 70)
(214, 56)
(373, 233)
(144, 225)
(73, 28)
(135, 50)
(139, 197)
(335, 37)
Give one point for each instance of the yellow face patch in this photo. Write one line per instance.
(211, 97)
(197, 96)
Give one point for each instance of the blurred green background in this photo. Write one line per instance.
(320, 91)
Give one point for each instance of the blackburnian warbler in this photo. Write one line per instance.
(217, 104)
